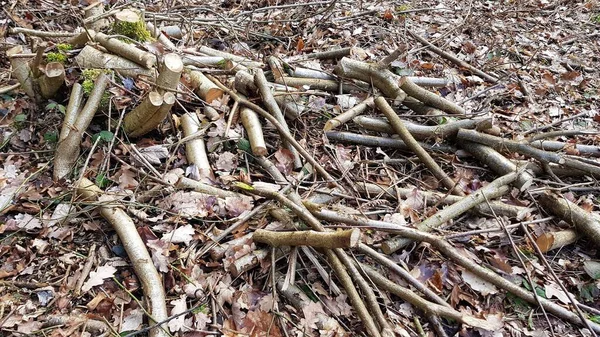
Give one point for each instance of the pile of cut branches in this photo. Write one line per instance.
(245, 199)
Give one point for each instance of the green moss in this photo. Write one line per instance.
(89, 77)
(136, 31)
(91, 74)
(596, 18)
(64, 47)
(402, 8)
(56, 57)
(87, 86)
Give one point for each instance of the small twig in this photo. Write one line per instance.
(86, 269)
(561, 133)
(281, 130)
(453, 58)
(556, 279)
(527, 273)
(547, 126)
(386, 61)
(410, 141)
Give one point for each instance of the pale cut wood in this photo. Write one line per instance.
(150, 279)
(91, 58)
(152, 122)
(126, 50)
(253, 127)
(204, 87)
(169, 73)
(71, 111)
(329, 240)
(429, 98)
(168, 79)
(235, 58)
(349, 114)
(52, 79)
(68, 149)
(162, 38)
(247, 262)
(208, 61)
(127, 15)
(421, 132)
(554, 240)
(269, 101)
(491, 191)
(321, 84)
(383, 79)
(22, 71)
(436, 198)
(172, 31)
(586, 223)
(94, 10)
(195, 149)
(139, 116)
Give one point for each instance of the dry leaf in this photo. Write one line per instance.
(179, 306)
(97, 277)
(183, 234)
(477, 284)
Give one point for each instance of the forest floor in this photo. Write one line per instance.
(534, 76)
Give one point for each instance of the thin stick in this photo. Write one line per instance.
(425, 157)
(453, 58)
(282, 132)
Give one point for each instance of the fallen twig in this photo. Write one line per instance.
(454, 59)
(427, 160)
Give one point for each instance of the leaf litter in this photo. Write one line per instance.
(546, 55)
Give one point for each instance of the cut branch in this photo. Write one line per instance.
(261, 83)
(253, 127)
(493, 190)
(458, 257)
(421, 132)
(349, 114)
(500, 144)
(435, 198)
(143, 266)
(384, 80)
(195, 149)
(204, 87)
(68, 149)
(373, 141)
(91, 58)
(126, 50)
(72, 110)
(429, 98)
(52, 79)
(22, 71)
(136, 118)
(554, 240)
(329, 240)
(586, 223)
(427, 160)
